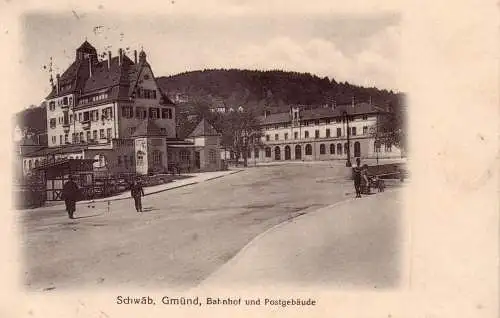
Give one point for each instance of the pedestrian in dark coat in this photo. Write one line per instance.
(356, 171)
(70, 194)
(137, 191)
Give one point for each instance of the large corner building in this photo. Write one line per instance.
(114, 112)
(337, 132)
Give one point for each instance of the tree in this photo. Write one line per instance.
(390, 129)
(241, 132)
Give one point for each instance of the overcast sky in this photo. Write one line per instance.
(359, 48)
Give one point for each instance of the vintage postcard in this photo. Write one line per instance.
(244, 158)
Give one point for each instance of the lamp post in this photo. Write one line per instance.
(346, 120)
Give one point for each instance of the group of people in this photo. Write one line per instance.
(360, 176)
(71, 193)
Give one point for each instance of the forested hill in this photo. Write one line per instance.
(269, 88)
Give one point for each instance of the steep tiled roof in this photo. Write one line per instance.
(148, 128)
(119, 80)
(274, 118)
(204, 129)
(317, 113)
(86, 47)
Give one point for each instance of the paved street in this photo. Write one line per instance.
(352, 244)
(184, 235)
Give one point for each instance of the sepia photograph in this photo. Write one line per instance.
(163, 153)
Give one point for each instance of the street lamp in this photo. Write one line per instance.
(346, 120)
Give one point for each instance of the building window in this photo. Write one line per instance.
(156, 157)
(332, 149)
(141, 113)
(108, 133)
(52, 105)
(306, 134)
(166, 113)
(327, 133)
(309, 150)
(125, 161)
(338, 120)
(353, 131)
(29, 165)
(60, 139)
(339, 132)
(128, 111)
(376, 145)
(295, 135)
(131, 160)
(286, 136)
(153, 113)
(163, 131)
(81, 137)
(365, 117)
(316, 134)
(327, 121)
(185, 156)
(276, 137)
(346, 148)
(365, 130)
(212, 156)
(52, 123)
(101, 134)
(119, 160)
(94, 135)
(140, 158)
(388, 147)
(256, 153)
(339, 149)
(268, 152)
(267, 137)
(322, 149)
(66, 137)
(54, 139)
(88, 136)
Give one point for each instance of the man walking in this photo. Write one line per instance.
(70, 194)
(137, 191)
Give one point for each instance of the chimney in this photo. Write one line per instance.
(57, 83)
(135, 56)
(120, 56)
(109, 60)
